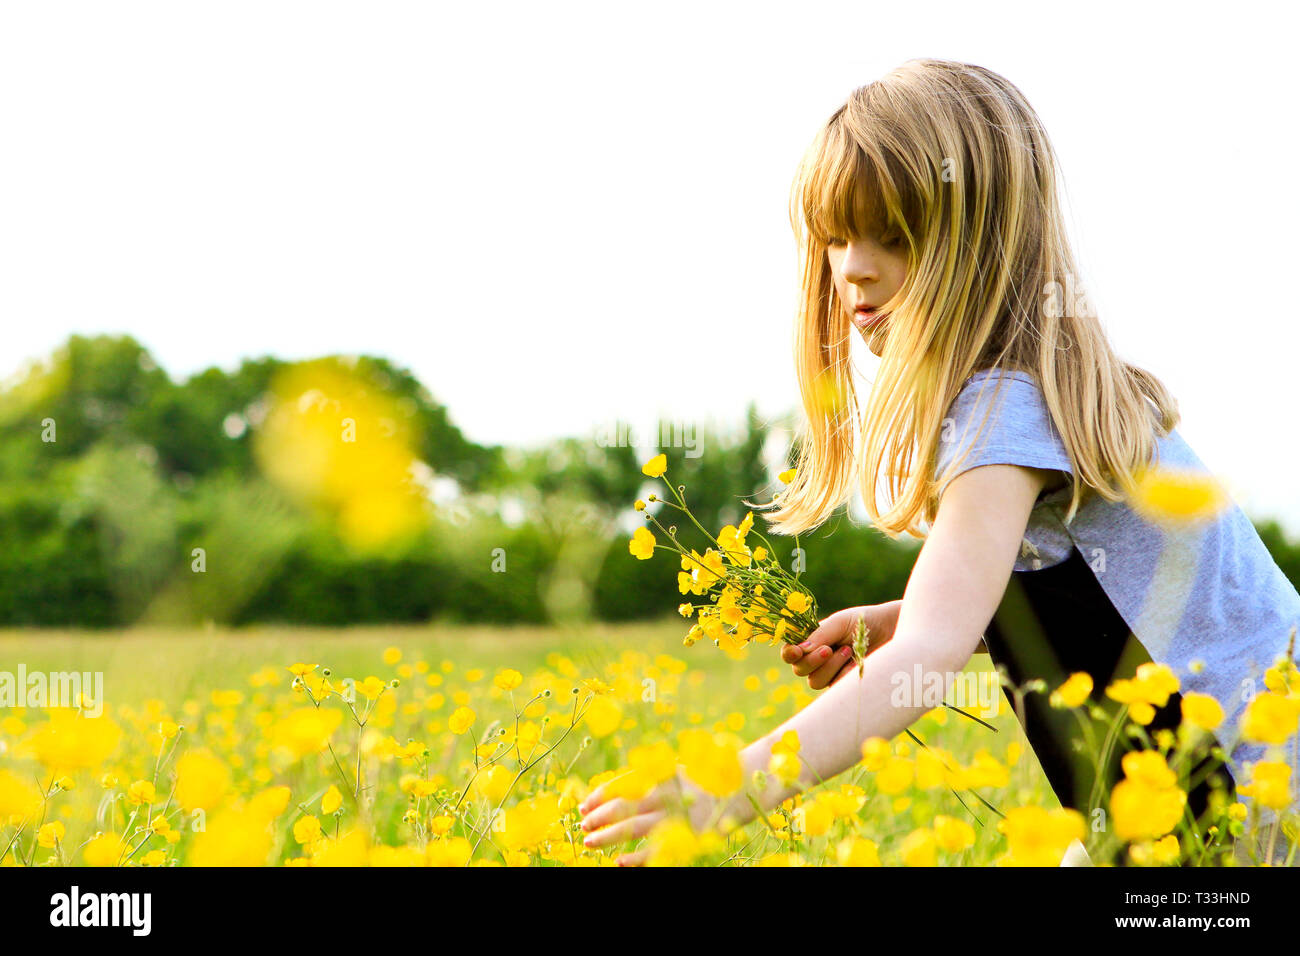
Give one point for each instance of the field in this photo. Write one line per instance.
(207, 753)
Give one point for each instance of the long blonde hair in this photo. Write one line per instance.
(952, 158)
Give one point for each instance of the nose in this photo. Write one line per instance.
(859, 265)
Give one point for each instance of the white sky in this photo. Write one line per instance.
(520, 201)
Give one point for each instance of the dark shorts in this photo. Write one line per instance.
(1057, 621)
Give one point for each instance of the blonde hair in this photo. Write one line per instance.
(952, 158)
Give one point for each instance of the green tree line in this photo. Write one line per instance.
(128, 497)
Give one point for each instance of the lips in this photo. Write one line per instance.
(866, 317)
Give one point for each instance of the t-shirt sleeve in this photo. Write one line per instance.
(1018, 431)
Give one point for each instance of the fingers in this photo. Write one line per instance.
(599, 795)
(825, 675)
(634, 859)
(615, 810)
(813, 660)
(833, 630)
(791, 653)
(632, 828)
(848, 667)
(594, 799)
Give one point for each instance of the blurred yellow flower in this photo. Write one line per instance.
(338, 444)
(1037, 836)
(70, 741)
(953, 835)
(50, 834)
(331, 801)
(1270, 784)
(1201, 710)
(201, 780)
(603, 715)
(306, 829)
(1148, 689)
(1148, 802)
(1270, 718)
(507, 679)
(18, 798)
(1074, 691)
(1178, 496)
(462, 718)
(305, 731)
(854, 851)
(919, 848)
(711, 761)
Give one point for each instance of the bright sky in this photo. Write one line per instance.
(523, 202)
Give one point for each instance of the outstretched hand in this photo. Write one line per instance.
(609, 820)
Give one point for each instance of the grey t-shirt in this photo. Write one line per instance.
(1206, 592)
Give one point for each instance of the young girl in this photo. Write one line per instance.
(1003, 428)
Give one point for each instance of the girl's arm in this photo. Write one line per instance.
(955, 586)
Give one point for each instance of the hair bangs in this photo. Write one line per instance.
(854, 189)
(844, 196)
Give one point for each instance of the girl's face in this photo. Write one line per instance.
(868, 273)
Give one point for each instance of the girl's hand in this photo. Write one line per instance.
(615, 820)
(827, 654)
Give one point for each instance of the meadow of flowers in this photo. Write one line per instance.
(457, 746)
(419, 747)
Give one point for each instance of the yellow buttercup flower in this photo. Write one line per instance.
(307, 829)
(1074, 691)
(711, 761)
(507, 679)
(461, 720)
(105, 849)
(875, 751)
(603, 716)
(141, 792)
(919, 848)
(655, 467)
(1270, 784)
(201, 780)
(305, 731)
(51, 834)
(1148, 689)
(1147, 803)
(1158, 853)
(857, 852)
(18, 798)
(815, 818)
(1037, 836)
(786, 767)
(674, 843)
(894, 776)
(71, 741)
(1270, 718)
(331, 801)
(642, 544)
(1201, 710)
(657, 761)
(953, 835)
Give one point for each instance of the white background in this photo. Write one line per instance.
(519, 201)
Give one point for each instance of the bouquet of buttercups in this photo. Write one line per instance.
(748, 596)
